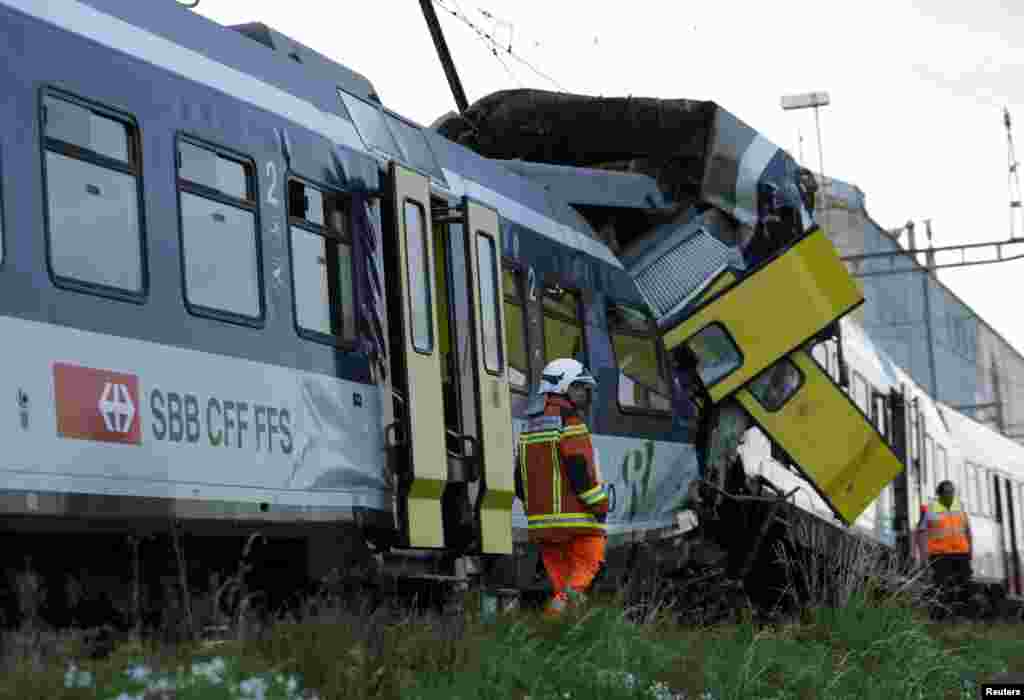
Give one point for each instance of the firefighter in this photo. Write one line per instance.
(945, 541)
(556, 478)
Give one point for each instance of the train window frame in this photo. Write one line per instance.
(737, 351)
(929, 460)
(495, 270)
(864, 407)
(251, 205)
(755, 385)
(516, 298)
(347, 339)
(3, 212)
(132, 166)
(941, 461)
(428, 278)
(660, 357)
(579, 321)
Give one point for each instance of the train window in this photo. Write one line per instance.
(370, 123)
(642, 381)
(206, 168)
(321, 249)
(774, 387)
(912, 416)
(971, 487)
(820, 354)
(487, 264)
(217, 199)
(563, 326)
(418, 271)
(716, 353)
(941, 464)
(91, 171)
(412, 141)
(928, 462)
(1, 218)
(860, 392)
(515, 332)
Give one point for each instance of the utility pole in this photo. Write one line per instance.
(1013, 180)
(442, 52)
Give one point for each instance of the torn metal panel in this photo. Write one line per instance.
(694, 149)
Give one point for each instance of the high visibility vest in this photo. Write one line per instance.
(946, 528)
(554, 453)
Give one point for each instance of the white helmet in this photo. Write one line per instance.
(559, 374)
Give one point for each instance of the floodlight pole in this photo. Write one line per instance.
(821, 155)
(815, 100)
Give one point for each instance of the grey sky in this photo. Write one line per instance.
(917, 87)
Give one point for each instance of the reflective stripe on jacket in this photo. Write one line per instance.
(946, 528)
(556, 476)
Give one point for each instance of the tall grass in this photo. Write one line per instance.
(862, 634)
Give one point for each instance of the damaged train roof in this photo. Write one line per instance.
(696, 150)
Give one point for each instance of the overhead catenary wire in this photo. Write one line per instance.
(494, 45)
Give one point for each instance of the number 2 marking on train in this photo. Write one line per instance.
(272, 174)
(531, 283)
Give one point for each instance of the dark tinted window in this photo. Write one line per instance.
(563, 326)
(515, 332)
(321, 261)
(642, 382)
(487, 263)
(418, 270)
(716, 353)
(777, 384)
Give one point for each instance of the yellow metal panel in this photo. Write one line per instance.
(834, 444)
(776, 308)
(724, 279)
(494, 400)
(426, 413)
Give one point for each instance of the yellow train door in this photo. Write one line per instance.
(742, 328)
(419, 511)
(833, 443)
(483, 247)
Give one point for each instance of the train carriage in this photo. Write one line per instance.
(241, 295)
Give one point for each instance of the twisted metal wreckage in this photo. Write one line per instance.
(727, 201)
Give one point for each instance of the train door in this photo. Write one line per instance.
(417, 435)
(1013, 570)
(476, 500)
(794, 401)
(749, 325)
(490, 375)
(841, 452)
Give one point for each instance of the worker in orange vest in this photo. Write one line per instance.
(557, 480)
(945, 541)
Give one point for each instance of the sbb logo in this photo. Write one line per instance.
(97, 404)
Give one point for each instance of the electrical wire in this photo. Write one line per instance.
(489, 39)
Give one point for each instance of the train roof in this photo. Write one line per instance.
(255, 63)
(982, 445)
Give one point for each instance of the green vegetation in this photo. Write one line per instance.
(862, 638)
(863, 651)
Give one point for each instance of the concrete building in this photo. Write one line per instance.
(926, 329)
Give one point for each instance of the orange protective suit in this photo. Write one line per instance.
(565, 502)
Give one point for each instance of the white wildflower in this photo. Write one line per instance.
(213, 671)
(126, 696)
(74, 678)
(254, 687)
(138, 673)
